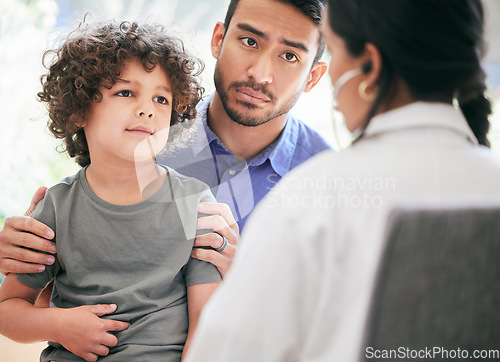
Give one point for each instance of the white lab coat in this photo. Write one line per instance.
(300, 286)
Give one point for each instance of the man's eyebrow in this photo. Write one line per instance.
(294, 44)
(251, 29)
(248, 27)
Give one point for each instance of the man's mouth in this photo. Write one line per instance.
(251, 96)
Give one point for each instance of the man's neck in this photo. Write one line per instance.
(242, 141)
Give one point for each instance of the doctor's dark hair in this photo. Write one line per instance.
(313, 9)
(435, 46)
(93, 56)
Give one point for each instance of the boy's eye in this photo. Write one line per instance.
(249, 42)
(161, 100)
(124, 93)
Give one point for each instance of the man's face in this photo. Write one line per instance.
(264, 60)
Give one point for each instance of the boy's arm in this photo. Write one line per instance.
(45, 296)
(197, 296)
(80, 330)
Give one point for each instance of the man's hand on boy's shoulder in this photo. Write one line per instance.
(223, 241)
(19, 235)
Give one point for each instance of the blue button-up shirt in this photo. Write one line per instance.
(241, 184)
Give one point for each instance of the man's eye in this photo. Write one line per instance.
(124, 93)
(161, 100)
(249, 42)
(290, 57)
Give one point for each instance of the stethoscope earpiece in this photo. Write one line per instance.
(367, 67)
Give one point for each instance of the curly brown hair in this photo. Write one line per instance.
(93, 56)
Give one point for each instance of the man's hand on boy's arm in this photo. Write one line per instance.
(197, 296)
(21, 232)
(220, 220)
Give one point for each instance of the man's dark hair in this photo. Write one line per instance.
(313, 9)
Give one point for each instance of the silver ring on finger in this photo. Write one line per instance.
(223, 246)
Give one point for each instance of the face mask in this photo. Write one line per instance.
(343, 79)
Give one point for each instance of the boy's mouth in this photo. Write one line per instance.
(140, 131)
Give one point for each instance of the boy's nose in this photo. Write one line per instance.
(145, 114)
(145, 108)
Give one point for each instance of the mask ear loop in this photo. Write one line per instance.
(344, 78)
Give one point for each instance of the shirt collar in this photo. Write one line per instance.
(280, 152)
(422, 115)
(203, 134)
(203, 114)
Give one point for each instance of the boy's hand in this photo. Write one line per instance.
(21, 232)
(82, 331)
(221, 220)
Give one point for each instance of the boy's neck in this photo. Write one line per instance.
(125, 185)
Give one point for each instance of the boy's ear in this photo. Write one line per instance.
(217, 38)
(80, 123)
(318, 70)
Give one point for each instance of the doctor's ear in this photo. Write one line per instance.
(372, 64)
(367, 67)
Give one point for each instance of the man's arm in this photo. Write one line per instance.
(197, 296)
(19, 234)
(80, 330)
(221, 220)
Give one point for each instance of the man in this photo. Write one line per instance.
(245, 138)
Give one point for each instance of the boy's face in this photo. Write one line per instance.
(132, 120)
(265, 60)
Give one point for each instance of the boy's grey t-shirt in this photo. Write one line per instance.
(134, 256)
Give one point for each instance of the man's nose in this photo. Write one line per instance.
(262, 69)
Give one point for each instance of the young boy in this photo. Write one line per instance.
(124, 226)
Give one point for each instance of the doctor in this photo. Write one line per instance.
(407, 77)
